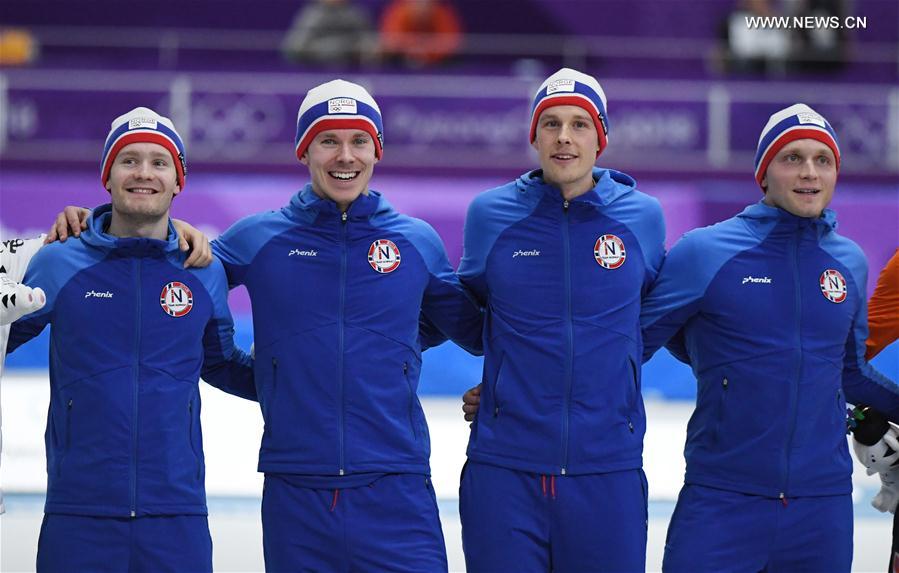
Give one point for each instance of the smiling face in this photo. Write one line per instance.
(801, 178)
(142, 183)
(341, 163)
(566, 142)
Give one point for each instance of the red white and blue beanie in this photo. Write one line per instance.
(571, 87)
(143, 125)
(798, 121)
(338, 104)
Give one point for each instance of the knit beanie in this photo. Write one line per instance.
(798, 121)
(142, 125)
(571, 87)
(338, 104)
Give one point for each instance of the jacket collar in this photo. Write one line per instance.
(96, 236)
(763, 214)
(306, 202)
(610, 186)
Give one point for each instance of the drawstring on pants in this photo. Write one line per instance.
(552, 485)
(334, 499)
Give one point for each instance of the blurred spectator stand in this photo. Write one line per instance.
(420, 33)
(330, 32)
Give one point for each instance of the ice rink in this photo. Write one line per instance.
(232, 429)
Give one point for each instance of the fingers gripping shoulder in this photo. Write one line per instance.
(17, 299)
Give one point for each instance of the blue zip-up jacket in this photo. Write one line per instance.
(562, 283)
(132, 332)
(769, 310)
(336, 300)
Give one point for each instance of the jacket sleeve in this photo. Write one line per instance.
(225, 366)
(447, 309)
(39, 273)
(649, 226)
(862, 383)
(470, 274)
(236, 247)
(883, 310)
(475, 248)
(673, 300)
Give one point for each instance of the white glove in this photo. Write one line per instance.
(17, 300)
(888, 496)
(880, 458)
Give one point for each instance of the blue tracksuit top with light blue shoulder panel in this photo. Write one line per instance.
(132, 332)
(769, 310)
(562, 283)
(336, 300)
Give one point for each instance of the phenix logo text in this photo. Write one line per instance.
(751, 279)
(532, 253)
(94, 294)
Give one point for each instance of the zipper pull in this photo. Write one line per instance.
(343, 217)
(405, 368)
(565, 205)
(783, 499)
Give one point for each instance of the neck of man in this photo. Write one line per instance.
(575, 189)
(771, 203)
(343, 206)
(123, 226)
(569, 193)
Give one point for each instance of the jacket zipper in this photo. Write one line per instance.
(569, 359)
(794, 390)
(340, 319)
(134, 389)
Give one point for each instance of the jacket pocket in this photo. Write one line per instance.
(722, 405)
(67, 437)
(271, 396)
(274, 373)
(633, 395)
(841, 407)
(191, 438)
(411, 409)
(496, 386)
(635, 383)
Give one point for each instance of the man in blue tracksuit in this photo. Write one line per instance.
(768, 308)
(560, 258)
(337, 280)
(125, 466)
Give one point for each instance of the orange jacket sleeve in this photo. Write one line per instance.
(883, 309)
